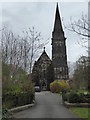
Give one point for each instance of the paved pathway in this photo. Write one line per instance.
(48, 105)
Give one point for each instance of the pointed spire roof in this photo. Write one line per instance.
(57, 24)
(42, 55)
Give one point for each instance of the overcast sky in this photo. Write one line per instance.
(19, 16)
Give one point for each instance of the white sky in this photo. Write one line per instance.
(19, 16)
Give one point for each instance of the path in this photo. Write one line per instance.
(48, 105)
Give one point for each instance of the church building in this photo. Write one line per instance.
(59, 56)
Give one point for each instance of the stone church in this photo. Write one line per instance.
(59, 56)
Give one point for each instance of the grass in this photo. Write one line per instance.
(81, 112)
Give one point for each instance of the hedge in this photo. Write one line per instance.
(18, 95)
(74, 97)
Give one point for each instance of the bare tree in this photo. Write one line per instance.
(82, 28)
(22, 51)
(34, 43)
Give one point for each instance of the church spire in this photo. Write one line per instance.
(59, 56)
(57, 24)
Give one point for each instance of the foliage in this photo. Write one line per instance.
(10, 80)
(76, 97)
(28, 87)
(81, 73)
(64, 84)
(14, 96)
(58, 86)
(6, 114)
(17, 90)
(54, 87)
(73, 97)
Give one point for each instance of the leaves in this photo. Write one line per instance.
(16, 88)
(58, 86)
(81, 72)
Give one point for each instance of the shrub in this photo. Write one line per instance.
(17, 90)
(17, 96)
(54, 87)
(87, 96)
(58, 86)
(73, 97)
(82, 98)
(64, 84)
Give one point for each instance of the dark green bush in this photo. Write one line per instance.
(87, 96)
(66, 96)
(82, 98)
(19, 99)
(73, 97)
(88, 100)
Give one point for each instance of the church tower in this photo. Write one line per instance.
(59, 56)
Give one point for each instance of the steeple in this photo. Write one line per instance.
(58, 25)
(59, 56)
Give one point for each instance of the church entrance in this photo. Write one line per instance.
(44, 85)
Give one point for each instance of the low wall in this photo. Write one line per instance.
(76, 104)
(21, 108)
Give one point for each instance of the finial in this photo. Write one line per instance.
(44, 48)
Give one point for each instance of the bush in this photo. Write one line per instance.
(75, 97)
(17, 96)
(64, 84)
(87, 96)
(58, 86)
(17, 90)
(82, 98)
(54, 87)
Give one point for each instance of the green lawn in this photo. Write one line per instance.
(81, 112)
